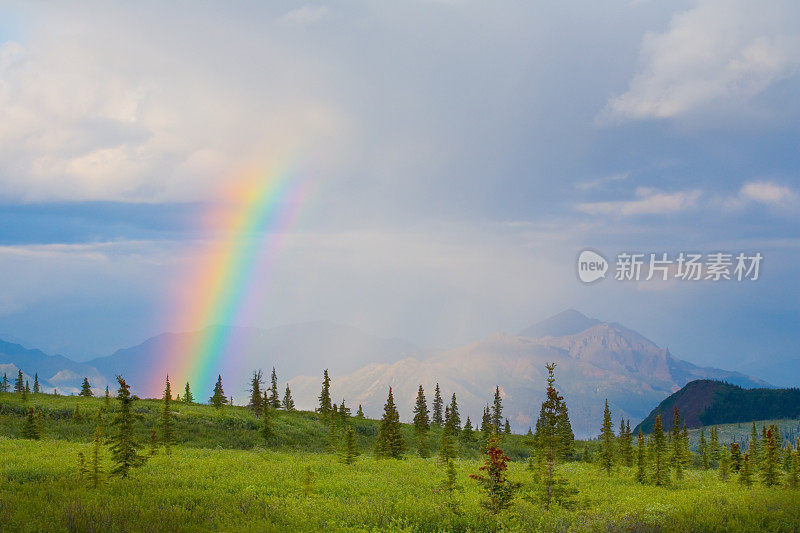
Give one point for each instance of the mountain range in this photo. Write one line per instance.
(595, 361)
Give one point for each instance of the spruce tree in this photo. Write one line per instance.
(274, 393)
(421, 415)
(625, 443)
(24, 394)
(486, 425)
(325, 395)
(703, 449)
(218, 399)
(4, 383)
(724, 463)
(438, 405)
(188, 398)
(36, 383)
(736, 457)
(606, 455)
(769, 462)
(793, 478)
(549, 441)
(349, 446)
(713, 445)
(564, 432)
(468, 433)
(30, 427)
(421, 423)
(360, 412)
(344, 413)
(166, 424)
(454, 422)
(676, 455)
(255, 391)
(288, 401)
(745, 471)
(86, 389)
(107, 398)
(390, 443)
(124, 448)
(507, 428)
(658, 451)
(754, 445)
(641, 459)
(27, 387)
(497, 410)
(19, 383)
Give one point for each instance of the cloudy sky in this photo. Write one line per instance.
(457, 156)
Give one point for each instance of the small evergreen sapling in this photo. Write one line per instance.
(86, 389)
(188, 398)
(218, 399)
(499, 491)
(288, 401)
(30, 427)
(255, 392)
(349, 447)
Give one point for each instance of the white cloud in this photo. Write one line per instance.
(154, 114)
(719, 53)
(765, 193)
(648, 202)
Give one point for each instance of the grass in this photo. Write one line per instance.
(215, 482)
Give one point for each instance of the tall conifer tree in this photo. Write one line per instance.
(124, 447)
(325, 395)
(274, 394)
(288, 401)
(390, 443)
(606, 455)
(438, 405)
(166, 424)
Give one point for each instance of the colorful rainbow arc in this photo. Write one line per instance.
(248, 230)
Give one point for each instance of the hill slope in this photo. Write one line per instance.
(706, 402)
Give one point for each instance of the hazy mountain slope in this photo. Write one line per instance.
(603, 361)
(294, 349)
(55, 371)
(707, 402)
(566, 322)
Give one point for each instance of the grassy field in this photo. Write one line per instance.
(232, 483)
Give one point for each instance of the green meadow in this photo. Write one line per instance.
(221, 476)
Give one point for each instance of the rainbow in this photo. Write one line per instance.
(243, 234)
